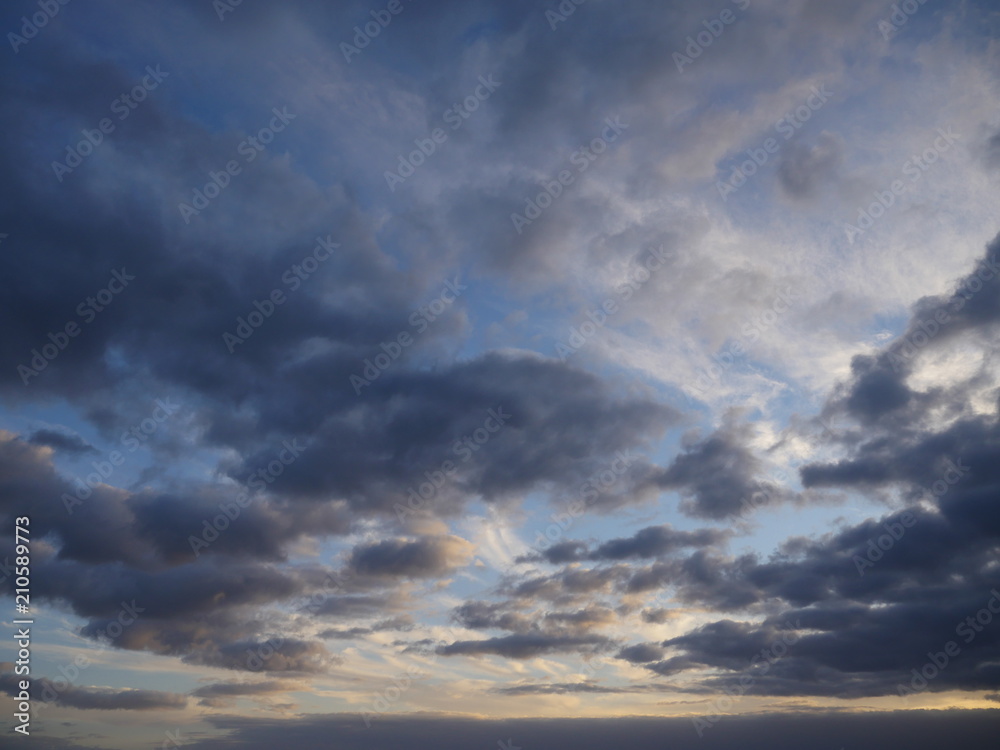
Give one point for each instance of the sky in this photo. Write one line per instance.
(500, 374)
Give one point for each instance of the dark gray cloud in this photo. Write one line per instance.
(479, 615)
(521, 619)
(108, 699)
(561, 688)
(95, 698)
(993, 151)
(718, 476)
(923, 730)
(70, 442)
(278, 654)
(98, 523)
(842, 659)
(404, 622)
(221, 694)
(525, 646)
(867, 583)
(565, 423)
(878, 391)
(655, 541)
(560, 426)
(846, 601)
(91, 533)
(581, 620)
(566, 587)
(652, 541)
(804, 170)
(202, 614)
(862, 642)
(352, 606)
(657, 616)
(421, 558)
(641, 652)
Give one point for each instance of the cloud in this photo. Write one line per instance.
(479, 615)
(803, 170)
(96, 698)
(277, 654)
(570, 585)
(421, 558)
(878, 389)
(562, 425)
(524, 646)
(652, 541)
(992, 156)
(718, 475)
(923, 730)
(655, 541)
(560, 688)
(658, 616)
(641, 652)
(221, 694)
(866, 583)
(69, 442)
(404, 622)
